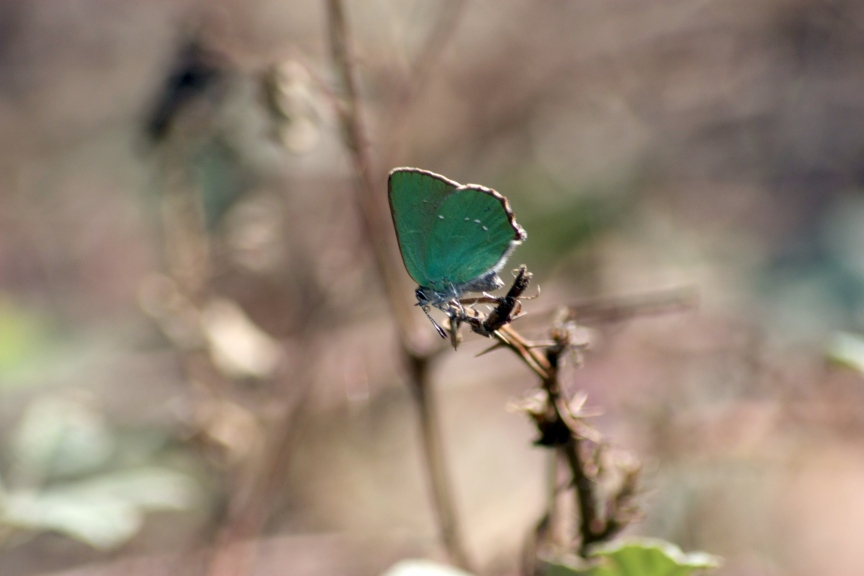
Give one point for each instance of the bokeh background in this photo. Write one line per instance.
(183, 272)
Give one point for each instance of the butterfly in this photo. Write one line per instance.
(453, 238)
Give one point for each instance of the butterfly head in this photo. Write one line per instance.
(427, 296)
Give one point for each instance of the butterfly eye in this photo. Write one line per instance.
(422, 297)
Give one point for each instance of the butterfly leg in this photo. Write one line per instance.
(493, 297)
(438, 328)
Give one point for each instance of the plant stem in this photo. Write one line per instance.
(354, 131)
(558, 431)
(430, 432)
(375, 226)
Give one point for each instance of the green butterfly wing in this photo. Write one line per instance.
(449, 234)
(415, 197)
(473, 233)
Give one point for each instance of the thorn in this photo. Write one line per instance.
(490, 349)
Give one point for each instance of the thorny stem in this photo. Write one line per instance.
(567, 439)
(586, 497)
(559, 429)
(375, 225)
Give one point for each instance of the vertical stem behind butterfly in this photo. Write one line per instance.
(375, 226)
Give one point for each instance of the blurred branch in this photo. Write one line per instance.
(235, 553)
(377, 228)
(375, 225)
(439, 479)
(442, 29)
(437, 40)
(186, 243)
(616, 309)
(221, 348)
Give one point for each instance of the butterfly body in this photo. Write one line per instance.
(430, 296)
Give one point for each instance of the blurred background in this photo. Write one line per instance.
(194, 339)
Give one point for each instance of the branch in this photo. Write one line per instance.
(375, 227)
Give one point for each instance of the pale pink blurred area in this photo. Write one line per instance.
(715, 147)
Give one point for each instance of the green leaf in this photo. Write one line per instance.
(847, 350)
(423, 568)
(648, 557)
(104, 511)
(101, 521)
(59, 437)
(146, 488)
(21, 334)
(555, 568)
